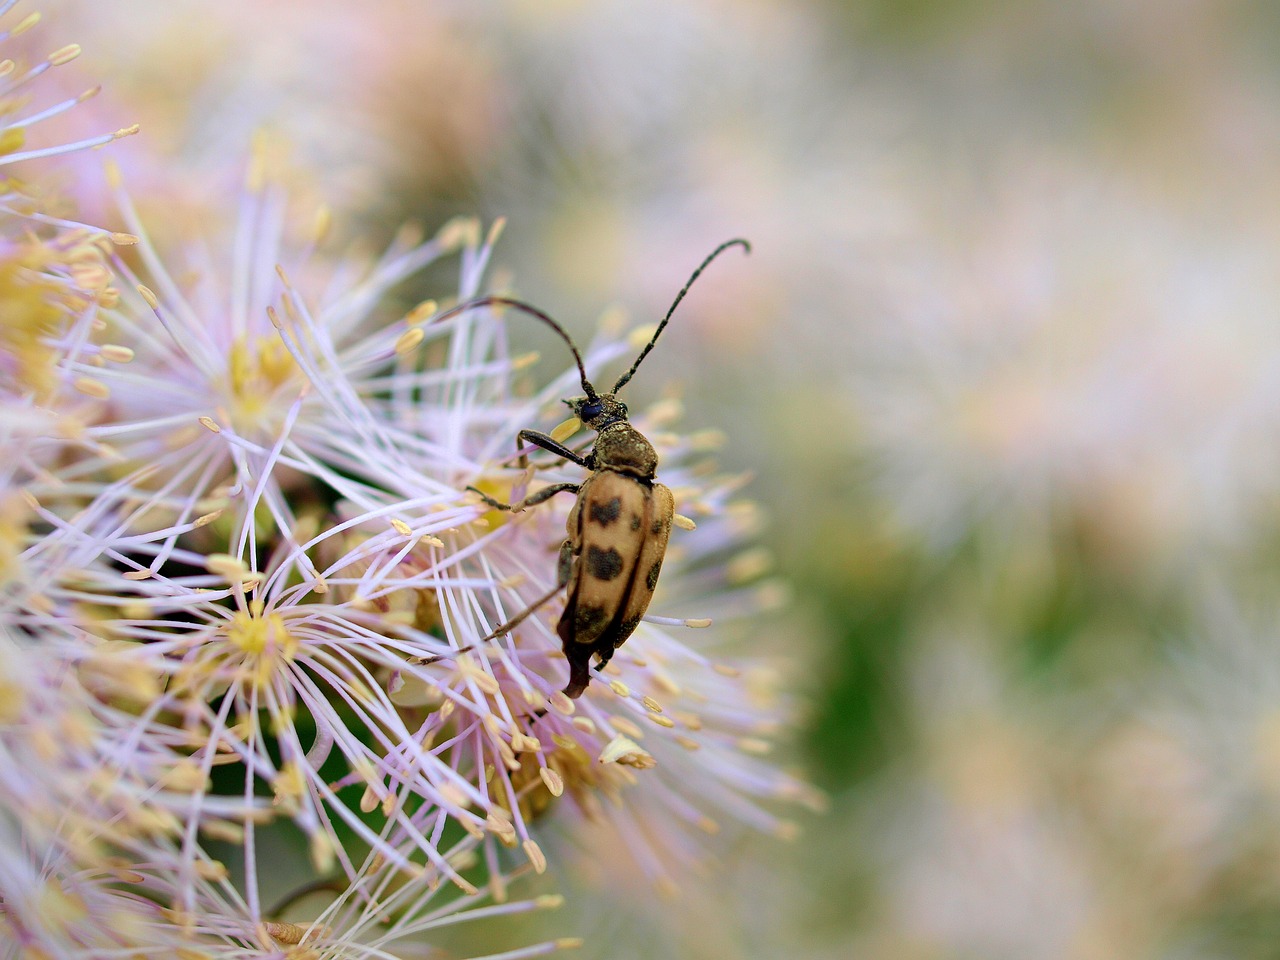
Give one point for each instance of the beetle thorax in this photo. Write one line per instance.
(623, 448)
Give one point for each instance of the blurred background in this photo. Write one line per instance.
(1005, 364)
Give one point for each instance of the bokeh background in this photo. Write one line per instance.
(1005, 364)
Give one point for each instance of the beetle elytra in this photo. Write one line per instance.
(618, 528)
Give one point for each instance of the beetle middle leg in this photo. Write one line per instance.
(546, 443)
(546, 493)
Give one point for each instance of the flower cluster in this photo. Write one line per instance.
(248, 703)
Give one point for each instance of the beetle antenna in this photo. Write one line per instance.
(532, 311)
(738, 241)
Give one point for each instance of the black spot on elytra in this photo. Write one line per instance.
(607, 512)
(635, 521)
(588, 620)
(625, 629)
(651, 579)
(603, 564)
(657, 526)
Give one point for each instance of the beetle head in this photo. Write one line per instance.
(597, 412)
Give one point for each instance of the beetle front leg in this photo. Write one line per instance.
(580, 452)
(546, 493)
(549, 444)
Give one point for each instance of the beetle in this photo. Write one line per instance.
(618, 528)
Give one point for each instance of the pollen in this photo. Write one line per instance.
(289, 934)
(12, 140)
(563, 431)
(625, 751)
(92, 388)
(495, 231)
(214, 870)
(526, 360)
(749, 565)
(27, 22)
(641, 335)
(322, 852)
(289, 787)
(625, 726)
(264, 640)
(499, 824)
(116, 353)
(185, 776)
(535, 855)
(459, 232)
(205, 519)
(322, 223)
(423, 311)
(65, 54)
(554, 782)
(257, 370)
(408, 341)
(230, 568)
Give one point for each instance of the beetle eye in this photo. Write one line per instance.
(591, 410)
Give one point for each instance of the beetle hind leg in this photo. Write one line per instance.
(522, 616)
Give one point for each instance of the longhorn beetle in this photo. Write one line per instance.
(619, 526)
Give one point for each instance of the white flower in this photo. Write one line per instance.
(667, 742)
(17, 115)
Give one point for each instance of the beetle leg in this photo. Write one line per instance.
(523, 615)
(546, 493)
(436, 658)
(564, 566)
(580, 452)
(546, 443)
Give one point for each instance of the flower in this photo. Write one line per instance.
(142, 654)
(17, 115)
(256, 548)
(82, 802)
(668, 742)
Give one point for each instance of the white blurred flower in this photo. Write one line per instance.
(82, 800)
(1080, 358)
(19, 114)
